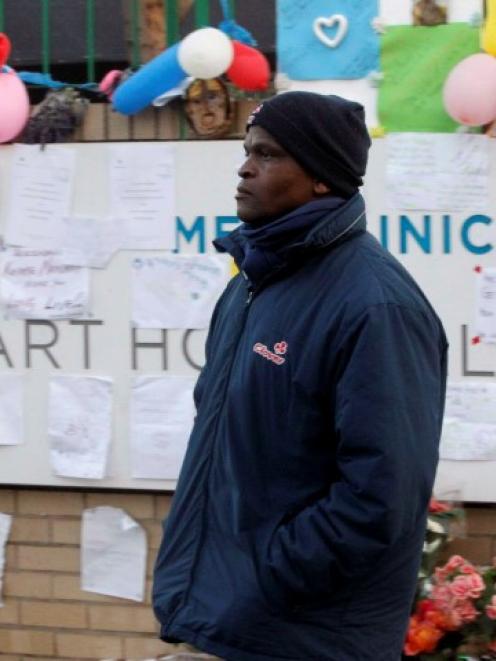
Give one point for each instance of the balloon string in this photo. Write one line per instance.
(226, 10)
(45, 80)
(233, 29)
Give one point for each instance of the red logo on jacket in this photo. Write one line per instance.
(275, 356)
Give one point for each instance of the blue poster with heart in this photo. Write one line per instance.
(322, 39)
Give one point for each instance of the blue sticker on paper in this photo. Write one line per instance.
(325, 39)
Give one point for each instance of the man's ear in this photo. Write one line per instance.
(319, 188)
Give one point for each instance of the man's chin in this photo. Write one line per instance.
(251, 216)
(246, 215)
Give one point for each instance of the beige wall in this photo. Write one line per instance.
(47, 616)
(45, 613)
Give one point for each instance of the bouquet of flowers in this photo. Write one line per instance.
(455, 608)
(456, 615)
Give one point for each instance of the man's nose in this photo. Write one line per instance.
(246, 169)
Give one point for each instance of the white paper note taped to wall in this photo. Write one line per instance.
(5, 523)
(437, 171)
(87, 241)
(177, 291)
(113, 554)
(80, 425)
(142, 194)
(469, 427)
(41, 190)
(161, 418)
(11, 409)
(40, 284)
(485, 297)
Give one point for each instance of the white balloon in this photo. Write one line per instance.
(205, 53)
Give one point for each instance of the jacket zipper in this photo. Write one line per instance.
(249, 286)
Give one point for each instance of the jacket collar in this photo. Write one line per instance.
(330, 227)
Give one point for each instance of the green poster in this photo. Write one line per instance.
(415, 61)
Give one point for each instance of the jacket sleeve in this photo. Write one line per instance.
(200, 383)
(389, 403)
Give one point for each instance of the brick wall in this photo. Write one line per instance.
(45, 614)
(479, 543)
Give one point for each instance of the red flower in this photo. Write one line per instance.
(437, 507)
(422, 636)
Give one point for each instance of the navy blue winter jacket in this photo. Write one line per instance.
(299, 516)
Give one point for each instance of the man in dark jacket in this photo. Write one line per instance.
(298, 521)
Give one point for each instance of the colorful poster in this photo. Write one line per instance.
(317, 40)
(415, 62)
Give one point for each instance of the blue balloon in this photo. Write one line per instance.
(153, 79)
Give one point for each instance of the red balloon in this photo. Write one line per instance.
(4, 48)
(250, 69)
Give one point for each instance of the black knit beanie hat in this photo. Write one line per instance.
(326, 135)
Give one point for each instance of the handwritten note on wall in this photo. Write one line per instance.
(469, 428)
(161, 413)
(178, 291)
(437, 171)
(80, 425)
(39, 284)
(486, 306)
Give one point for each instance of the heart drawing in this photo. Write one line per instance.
(336, 19)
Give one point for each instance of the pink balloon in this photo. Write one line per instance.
(469, 91)
(14, 106)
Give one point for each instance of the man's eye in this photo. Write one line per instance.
(265, 154)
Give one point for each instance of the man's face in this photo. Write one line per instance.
(272, 182)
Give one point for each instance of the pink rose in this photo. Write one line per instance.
(467, 586)
(466, 611)
(441, 594)
(455, 562)
(440, 574)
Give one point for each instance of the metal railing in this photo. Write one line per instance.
(104, 124)
(135, 11)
